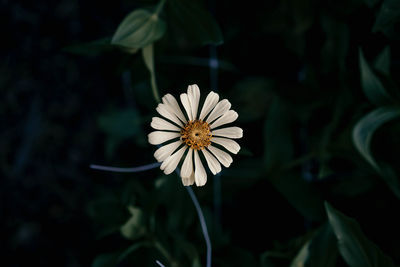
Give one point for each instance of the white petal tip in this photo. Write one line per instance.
(168, 171)
(240, 133)
(201, 182)
(151, 140)
(187, 181)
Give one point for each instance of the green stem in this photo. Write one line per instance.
(159, 7)
(148, 57)
(154, 87)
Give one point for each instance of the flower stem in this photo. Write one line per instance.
(202, 223)
(134, 169)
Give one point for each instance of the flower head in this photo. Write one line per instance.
(194, 134)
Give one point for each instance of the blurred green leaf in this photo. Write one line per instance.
(106, 260)
(113, 259)
(301, 257)
(278, 152)
(139, 29)
(196, 263)
(108, 212)
(388, 16)
(135, 227)
(382, 61)
(129, 250)
(371, 3)
(252, 97)
(362, 135)
(277, 135)
(265, 260)
(93, 48)
(372, 86)
(120, 124)
(196, 22)
(300, 194)
(354, 247)
(322, 249)
(334, 52)
(359, 183)
(236, 257)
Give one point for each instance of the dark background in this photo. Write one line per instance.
(290, 69)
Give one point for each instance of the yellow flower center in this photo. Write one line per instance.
(196, 134)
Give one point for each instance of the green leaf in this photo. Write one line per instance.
(300, 194)
(139, 29)
(372, 86)
(382, 61)
(120, 124)
(353, 245)
(130, 249)
(148, 58)
(93, 48)
(388, 16)
(196, 22)
(108, 212)
(134, 228)
(113, 259)
(366, 127)
(106, 260)
(362, 135)
(319, 251)
(252, 96)
(278, 152)
(302, 256)
(277, 135)
(371, 3)
(322, 250)
(265, 260)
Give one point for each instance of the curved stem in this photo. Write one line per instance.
(202, 223)
(134, 169)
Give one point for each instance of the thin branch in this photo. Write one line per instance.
(202, 223)
(134, 169)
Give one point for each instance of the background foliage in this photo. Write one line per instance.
(316, 88)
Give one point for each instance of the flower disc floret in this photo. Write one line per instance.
(196, 134)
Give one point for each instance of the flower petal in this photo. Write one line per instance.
(170, 164)
(228, 117)
(161, 124)
(186, 105)
(200, 175)
(222, 156)
(187, 181)
(164, 152)
(165, 111)
(223, 106)
(159, 137)
(170, 100)
(212, 162)
(230, 132)
(194, 98)
(210, 102)
(187, 165)
(229, 144)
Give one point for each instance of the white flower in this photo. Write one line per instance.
(194, 133)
